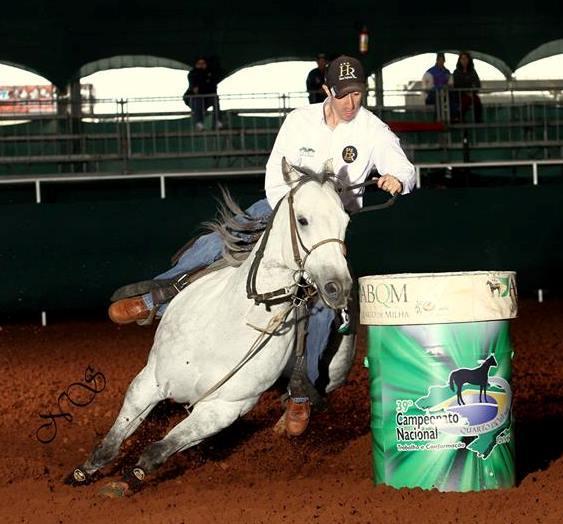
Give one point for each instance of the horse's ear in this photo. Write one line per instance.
(328, 168)
(290, 175)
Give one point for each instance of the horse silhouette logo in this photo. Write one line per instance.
(476, 376)
(494, 285)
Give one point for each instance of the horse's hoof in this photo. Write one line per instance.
(79, 477)
(115, 489)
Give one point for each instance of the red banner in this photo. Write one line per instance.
(27, 99)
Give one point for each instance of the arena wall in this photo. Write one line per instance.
(71, 251)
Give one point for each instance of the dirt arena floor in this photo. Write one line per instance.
(246, 474)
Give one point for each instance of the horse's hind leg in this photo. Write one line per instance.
(142, 395)
(206, 419)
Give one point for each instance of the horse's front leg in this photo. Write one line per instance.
(459, 397)
(206, 419)
(142, 395)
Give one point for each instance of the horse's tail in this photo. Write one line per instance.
(452, 381)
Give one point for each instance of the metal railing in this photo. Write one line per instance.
(39, 180)
(92, 135)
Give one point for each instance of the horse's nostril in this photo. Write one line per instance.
(332, 289)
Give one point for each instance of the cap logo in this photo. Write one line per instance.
(349, 154)
(347, 72)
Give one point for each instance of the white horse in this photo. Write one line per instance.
(209, 327)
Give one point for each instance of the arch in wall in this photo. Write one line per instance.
(124, 61)
(546, 50)
(499, 64)
(25, 68)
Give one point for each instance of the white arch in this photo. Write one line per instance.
(272, 60)
(138, 84)
(555, 47)
(548, 68)
(125, 61)
(25, 92)
(264, 82)
(400, 75)
(497, 63)
(11, 72)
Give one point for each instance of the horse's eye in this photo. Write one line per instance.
(303, 221)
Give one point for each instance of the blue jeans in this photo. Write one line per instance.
(199, 105)
(208, 248)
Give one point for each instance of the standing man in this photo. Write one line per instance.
(435, 79)
(316, 80)
(339, 131)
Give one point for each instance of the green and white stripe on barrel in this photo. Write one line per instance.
(439, 357)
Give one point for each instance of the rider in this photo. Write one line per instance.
(338, 130)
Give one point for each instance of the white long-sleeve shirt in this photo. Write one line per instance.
(354, 149)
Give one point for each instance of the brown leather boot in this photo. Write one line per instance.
(128, 310)
(297, 417)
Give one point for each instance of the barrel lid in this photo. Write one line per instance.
(437, 298)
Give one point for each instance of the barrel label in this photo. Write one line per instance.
(441, 405)
(437, 298)
(472, 404)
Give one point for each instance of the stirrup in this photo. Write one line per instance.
(150, 319)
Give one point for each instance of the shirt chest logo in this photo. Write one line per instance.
(349, 154)
(308, 152)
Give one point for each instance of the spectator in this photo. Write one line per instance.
(466, 83)
(202, 93)
(315, 81)
(435, 79)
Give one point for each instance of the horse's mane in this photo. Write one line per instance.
(240, 235)
(321, 178)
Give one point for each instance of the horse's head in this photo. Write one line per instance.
(492, 361)
(319, 221)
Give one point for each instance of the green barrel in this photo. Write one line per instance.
(439, 358)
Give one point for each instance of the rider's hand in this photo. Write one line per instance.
(390, 184)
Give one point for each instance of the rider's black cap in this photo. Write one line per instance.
(345, 75)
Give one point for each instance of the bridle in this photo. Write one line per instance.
(304, 285)
(305, 288)
(296, 240)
